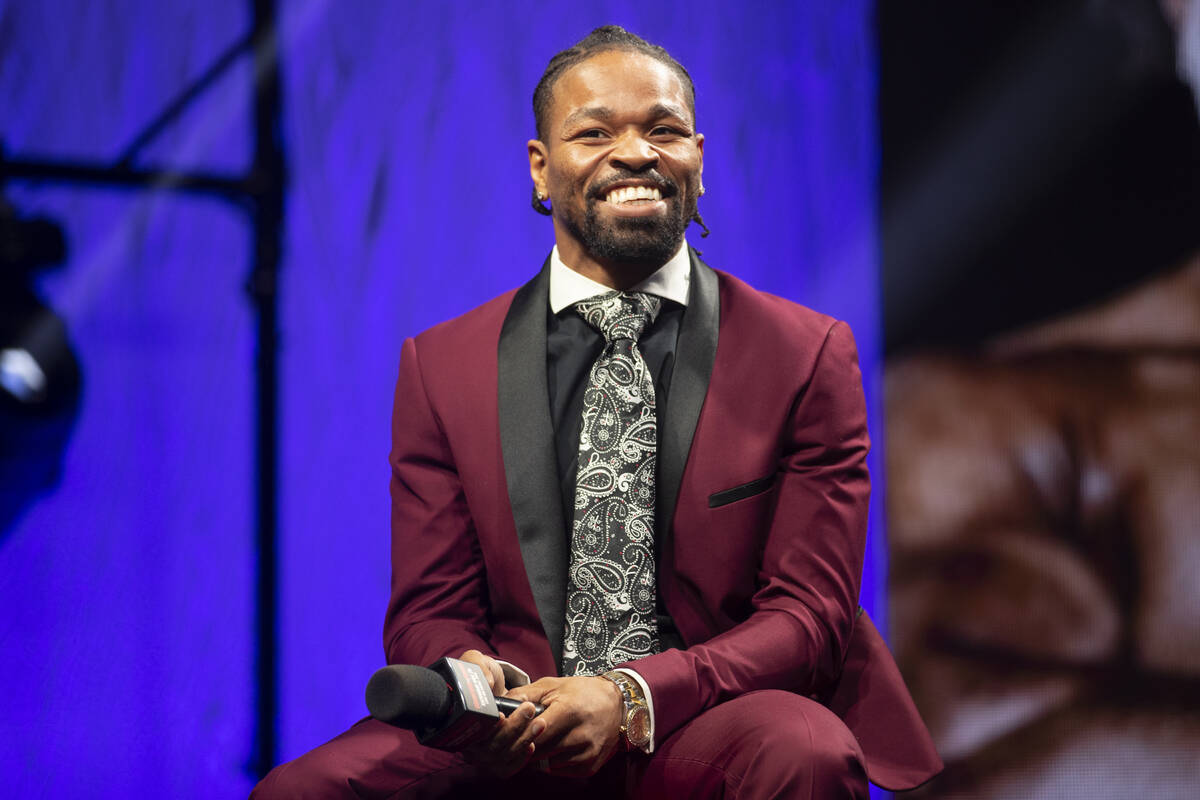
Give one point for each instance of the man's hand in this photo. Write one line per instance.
(582, 722)
(511, 744)
(491, 670)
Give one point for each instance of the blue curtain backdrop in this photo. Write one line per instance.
(127, 633)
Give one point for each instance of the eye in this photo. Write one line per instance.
(667, 130)
(591, 133)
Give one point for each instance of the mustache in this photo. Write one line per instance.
(666, 186)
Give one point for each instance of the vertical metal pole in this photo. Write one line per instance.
(261, 194)
(268, 178)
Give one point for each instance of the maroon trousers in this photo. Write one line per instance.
(768, 744)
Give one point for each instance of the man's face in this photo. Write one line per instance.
(621, 162)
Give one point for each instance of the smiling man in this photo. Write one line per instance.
(618, 152)
(641, 483)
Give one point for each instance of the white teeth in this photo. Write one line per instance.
(627, 193)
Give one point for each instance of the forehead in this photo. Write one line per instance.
(623, 81)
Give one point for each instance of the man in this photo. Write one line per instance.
(641, 474)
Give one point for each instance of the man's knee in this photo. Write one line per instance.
(829, 736)
(800, 740)
(774, 744)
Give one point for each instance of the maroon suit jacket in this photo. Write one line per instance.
(762, 511)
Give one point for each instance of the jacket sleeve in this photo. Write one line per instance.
(438, 592)
(808, 580)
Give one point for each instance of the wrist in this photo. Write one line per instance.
(614, 691)
(635, 713)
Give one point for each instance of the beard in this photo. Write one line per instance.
(645, 242)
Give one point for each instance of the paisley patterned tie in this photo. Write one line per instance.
(610, 586)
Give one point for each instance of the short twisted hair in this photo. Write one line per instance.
(603, 39)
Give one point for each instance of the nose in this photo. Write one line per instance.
(633, 152)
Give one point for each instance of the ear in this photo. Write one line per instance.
(700, 150)
(538, 155)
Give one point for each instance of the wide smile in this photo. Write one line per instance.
(634, 201)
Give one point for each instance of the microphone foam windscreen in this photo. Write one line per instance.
(408, 696)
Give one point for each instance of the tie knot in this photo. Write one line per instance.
(619, 315)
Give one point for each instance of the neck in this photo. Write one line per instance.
(615, 275)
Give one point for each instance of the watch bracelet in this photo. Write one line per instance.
(632, 698)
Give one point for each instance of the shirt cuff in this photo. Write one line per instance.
(513, 676)
(649, 748)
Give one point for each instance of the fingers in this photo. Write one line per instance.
(558, 723)
(511, 745)
(517, 737)
(575, 735)
(582, 719)
(497, 676)
(537, 691)
(492, 671)
(577, 710)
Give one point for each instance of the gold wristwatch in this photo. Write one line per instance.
(635, 718)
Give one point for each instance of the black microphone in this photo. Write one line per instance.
(448, 705)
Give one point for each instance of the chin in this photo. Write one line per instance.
(639, 241)
(643, 249)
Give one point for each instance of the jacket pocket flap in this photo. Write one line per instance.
(727, 496)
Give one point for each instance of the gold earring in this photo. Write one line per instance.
(541, 196)
(702, 190)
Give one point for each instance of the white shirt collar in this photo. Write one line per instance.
(670, 281)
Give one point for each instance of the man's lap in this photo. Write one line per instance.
(769, 744)
(762, 744)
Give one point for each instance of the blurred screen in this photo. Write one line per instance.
(1041, 271)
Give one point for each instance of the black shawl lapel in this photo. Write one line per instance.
(527, 441)
(694, 355)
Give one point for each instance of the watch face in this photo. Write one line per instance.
(638, 730)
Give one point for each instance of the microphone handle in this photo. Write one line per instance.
(507, 706)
